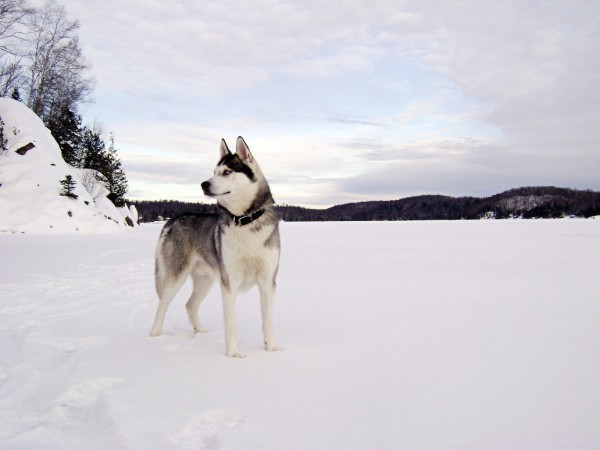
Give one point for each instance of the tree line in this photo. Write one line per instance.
(527, 202)
(43, 66)
(156, 210)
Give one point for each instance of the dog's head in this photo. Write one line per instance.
(236, 178)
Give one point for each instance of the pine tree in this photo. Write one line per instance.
(16, 95)
(107, 162)
(68, 184)
(67, 131)
(117, 181)
(93, 151)
(3, 139)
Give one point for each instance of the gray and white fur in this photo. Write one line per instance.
(239, 246)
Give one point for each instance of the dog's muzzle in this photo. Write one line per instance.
(207, 188)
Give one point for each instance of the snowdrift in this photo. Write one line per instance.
(31, 170)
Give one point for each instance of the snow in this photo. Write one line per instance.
(466, 335)
(30, 200)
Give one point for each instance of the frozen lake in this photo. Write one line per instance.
(470, 335)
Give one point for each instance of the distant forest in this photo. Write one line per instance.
(526, 203)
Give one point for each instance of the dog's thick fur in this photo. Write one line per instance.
(239, 246)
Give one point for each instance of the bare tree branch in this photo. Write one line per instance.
(57, 71)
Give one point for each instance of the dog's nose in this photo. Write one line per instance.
(205, 185)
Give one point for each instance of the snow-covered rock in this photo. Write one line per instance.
(30, 187)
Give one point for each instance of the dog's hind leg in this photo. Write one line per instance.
(166, 290)
(202, 284)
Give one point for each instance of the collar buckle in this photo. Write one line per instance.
(248, 218)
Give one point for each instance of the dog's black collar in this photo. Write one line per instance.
(248, 218)
(245, 219)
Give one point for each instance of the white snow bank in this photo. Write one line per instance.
(30, 199)
(420, 335)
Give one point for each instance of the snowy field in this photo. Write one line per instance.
(420, 335)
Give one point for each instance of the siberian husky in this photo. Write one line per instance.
(239, 246)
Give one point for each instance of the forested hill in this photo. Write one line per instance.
(527, 202)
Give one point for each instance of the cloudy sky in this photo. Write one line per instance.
(349, 100)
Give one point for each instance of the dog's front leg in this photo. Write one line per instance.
(229, 315)
(267, 297)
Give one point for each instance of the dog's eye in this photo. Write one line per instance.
(226, 172)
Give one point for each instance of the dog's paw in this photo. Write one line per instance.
(273, 348)
(155, 333)
(202, 331)
(236, 354)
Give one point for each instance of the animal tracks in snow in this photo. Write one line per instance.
(82, 401)
(54, 330)
(85, 291)
(43, 394)
(70, 345)
(204, 432)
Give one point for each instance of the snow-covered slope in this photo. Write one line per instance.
(30, 187)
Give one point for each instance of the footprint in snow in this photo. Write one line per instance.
(82, 402)
(204, 432)
(70, 344)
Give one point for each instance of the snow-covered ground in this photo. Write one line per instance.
(398, 335)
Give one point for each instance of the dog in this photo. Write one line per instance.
(239, 245)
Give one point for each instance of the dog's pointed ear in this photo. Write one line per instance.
(224, 149)
(242, 150)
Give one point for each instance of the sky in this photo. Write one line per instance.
(352, 100)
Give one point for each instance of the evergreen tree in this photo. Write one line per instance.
(106, 161)
(117, 181)
(16, 95)
(67, 131)
(3, 140)
(68, 184)
(93, 151)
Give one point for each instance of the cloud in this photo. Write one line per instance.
(337, 117)
(531, 62)
(348, 59)
(216, 47)
(373, 98)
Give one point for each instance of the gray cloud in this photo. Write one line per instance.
(158, 171)
(353, 120)
(396, 97)
(533, 63)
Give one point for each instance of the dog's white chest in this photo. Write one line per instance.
(245, 242)
(246, 257)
